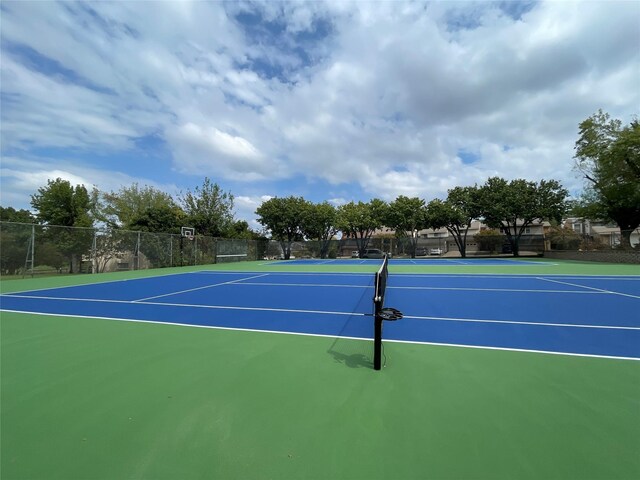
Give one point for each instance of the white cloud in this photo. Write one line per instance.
(205, 150)
(22, 177)
(336, 202)
(381, 95)
(245, 209)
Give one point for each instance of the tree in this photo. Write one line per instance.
(514, 206)
(563, 238)
(158, 219)
(156, 222)
(122, 209)
(407, 216)
(208, 209)
(240, 229)
(319, 223)
(10, 214)
(59, 204)
(608, 156)
(360, 220)
(15, 239)
(455, 214)
(284, 218)
(489, 240)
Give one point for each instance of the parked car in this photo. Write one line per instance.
(355, 254)
(421, 252)
(373, 253)
(435, 251)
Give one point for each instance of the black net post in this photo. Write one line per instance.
(377, 343)
(380, 312)
(378, 302)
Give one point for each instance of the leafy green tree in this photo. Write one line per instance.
(240, 229)
(124, 208)
(563, 238)
(208, 209)
(157, 222)
(407, 216)
(360, 220)
(319, 223)
(158, 219)
(489, 240)
(14, 239)
(284, 218)
(455, 214)
(513, 206)
(608, 156)
(10, 214)
(59, 204)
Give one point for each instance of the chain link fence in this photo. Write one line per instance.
(28, 250)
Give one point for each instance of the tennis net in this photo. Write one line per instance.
(380, 286)
(378, 304)
(380, 312)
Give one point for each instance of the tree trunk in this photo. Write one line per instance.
(463, 244)
(515, 247)
(627, 221)
(324, 248)
(74, 263)
(286, 249)
(625, 238)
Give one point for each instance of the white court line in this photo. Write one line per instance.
(324, 262)
(467, 289)
(333, 285)
(213, 307)
(470, 289)
(293, 274)
(514, 322)
(279, 332)
(590, 288)
(463, 262)
(324, 312)
(198, 288)
(506, 349)
(104, 282)
(519, 276)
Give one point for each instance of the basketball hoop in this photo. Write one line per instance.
(188, 233)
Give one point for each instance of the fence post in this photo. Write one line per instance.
(94, 258)
(31, 250)
(137, 254)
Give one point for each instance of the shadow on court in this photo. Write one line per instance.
(352, 352)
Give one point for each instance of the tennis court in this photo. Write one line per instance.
(527, 371)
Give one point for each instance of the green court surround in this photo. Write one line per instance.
(97, 399)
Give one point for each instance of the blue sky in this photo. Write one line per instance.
(332, 101)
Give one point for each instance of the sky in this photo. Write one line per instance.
(335, 101)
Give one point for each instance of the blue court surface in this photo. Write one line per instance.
(580, 315)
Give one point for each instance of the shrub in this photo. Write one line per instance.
(489, 240)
